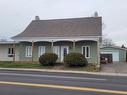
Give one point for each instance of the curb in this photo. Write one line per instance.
(63, 71)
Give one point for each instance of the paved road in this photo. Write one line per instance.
(45, 83)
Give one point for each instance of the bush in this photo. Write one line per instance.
(75, 59)
(48, 59)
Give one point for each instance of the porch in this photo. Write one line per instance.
(30, 51)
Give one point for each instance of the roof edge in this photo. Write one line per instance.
(67, 18)
(116, 47)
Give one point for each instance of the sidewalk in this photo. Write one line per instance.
(63, 71)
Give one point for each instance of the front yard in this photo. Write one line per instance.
(35, 65)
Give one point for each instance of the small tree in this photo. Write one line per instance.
(75, 59)
(48, 59)
(123, 46)
(107, 42)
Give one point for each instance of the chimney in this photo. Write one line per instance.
(96, 14)
(37, 18)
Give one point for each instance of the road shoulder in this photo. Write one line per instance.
(63, 71)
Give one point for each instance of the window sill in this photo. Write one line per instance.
(10, 55)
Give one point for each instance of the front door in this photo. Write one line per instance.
(64, 51)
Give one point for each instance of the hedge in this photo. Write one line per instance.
(75, 59)
(48, 59)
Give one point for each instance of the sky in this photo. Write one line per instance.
(15, 15)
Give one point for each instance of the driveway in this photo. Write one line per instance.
(120, 67)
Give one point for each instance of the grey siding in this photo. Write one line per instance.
(22, 50)
(93, 50)
(78, 48)
(122, 55)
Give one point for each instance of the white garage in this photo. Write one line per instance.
(114, 54)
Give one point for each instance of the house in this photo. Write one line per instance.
(114, 54)
(60, 36)
(7, 51)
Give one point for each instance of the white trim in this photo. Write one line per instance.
(109, 50)
(58, 37)
(56, 50)
(114, 53)
(10, 52)
(62, 51)
(41, 50)
(55, 39)
(86, 51)
(28, 52)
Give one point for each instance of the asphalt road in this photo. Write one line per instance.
(45, 83)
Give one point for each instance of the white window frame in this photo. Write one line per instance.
(62, 51)
(28, 51)
(86, 51)
(11, 52)
(41, 50)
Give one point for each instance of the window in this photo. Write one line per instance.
(65, 51)
(56, 50)
(10, 52)
(86, 51)
(41, 50)
(28, 51)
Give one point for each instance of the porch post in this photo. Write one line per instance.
(98, 54)
(74, 46)
(32, 51)
(52, 47)
(14, 48)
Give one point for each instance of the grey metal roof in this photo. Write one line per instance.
(89, 26)
(8, 42)
(115, 47)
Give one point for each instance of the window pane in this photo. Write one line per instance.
(9, 50)
(12, 50)
(87, 51)
(83, 50)
(41, 50)
(65, 51)
(28, 51)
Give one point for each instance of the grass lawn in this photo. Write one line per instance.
(35, 65)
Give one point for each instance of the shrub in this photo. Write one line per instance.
(75, 59)
(48, 59)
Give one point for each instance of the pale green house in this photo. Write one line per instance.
(60, 36)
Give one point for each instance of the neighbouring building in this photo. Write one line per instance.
(114, 54)
(7, 51)
(60, 36)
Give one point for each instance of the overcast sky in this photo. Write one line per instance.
(15, 15)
